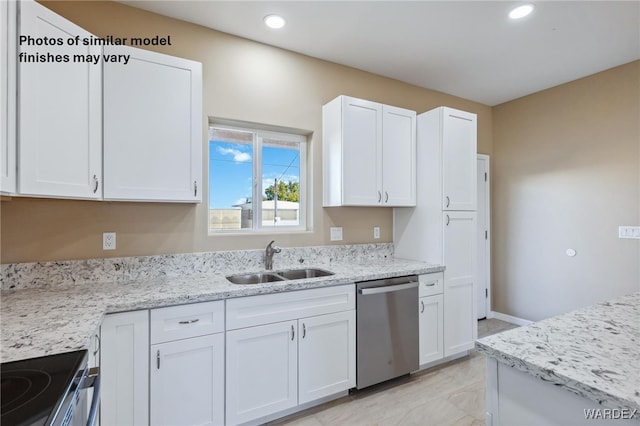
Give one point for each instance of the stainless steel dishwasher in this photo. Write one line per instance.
(387, 329)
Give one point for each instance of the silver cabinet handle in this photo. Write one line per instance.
(430, 285)
(293, 333)
(195, 188)
(386, 197)
(379, 196)
(448, 201)
(304, 330)
(97, 345)
(388, 288)
(422, 306)
(96, 183)
(189, 321)
(158, 359)
(448, 220)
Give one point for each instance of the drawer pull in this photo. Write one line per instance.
(430, 284)
(189, 321)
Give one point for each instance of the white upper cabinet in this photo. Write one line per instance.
(8, 97)
(152, 127)
(60, 111)
(399, 156)
(368, 154)
(459, 159)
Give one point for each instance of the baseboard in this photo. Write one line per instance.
(509, 318)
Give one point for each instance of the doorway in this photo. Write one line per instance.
(484, 235)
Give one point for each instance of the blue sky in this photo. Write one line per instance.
(230, 170)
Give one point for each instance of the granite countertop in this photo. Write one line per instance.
(62, 318)
(593, 352)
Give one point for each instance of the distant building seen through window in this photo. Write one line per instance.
(257, 179)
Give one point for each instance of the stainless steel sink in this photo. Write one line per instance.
(257, 278)
(284, 275)
(298, 274)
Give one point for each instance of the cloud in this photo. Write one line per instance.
(238, 155)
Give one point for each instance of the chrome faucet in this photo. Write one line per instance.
(268, 255)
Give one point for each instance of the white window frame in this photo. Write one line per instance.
(259, 133)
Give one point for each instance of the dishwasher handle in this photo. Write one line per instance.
(388, 288)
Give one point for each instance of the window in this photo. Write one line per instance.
(257, 179)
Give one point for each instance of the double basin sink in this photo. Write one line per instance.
(284, 275)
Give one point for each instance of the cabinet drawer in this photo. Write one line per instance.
(184, 321)
(431, 284)
(270, 308)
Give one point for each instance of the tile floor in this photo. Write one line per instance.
(451, 394)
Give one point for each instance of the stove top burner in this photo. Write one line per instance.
(20, 387)
(32, 390)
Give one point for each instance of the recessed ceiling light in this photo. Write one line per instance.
(274, 21)
(521, 11)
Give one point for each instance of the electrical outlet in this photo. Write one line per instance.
(629, 232)
(376, 232)
(108, 241)
(336, 233)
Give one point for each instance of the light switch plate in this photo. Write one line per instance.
(336, 233)
(629, 232)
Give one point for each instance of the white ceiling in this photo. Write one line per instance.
(465, 48)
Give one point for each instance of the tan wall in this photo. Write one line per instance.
(566, 175)
(243, 80)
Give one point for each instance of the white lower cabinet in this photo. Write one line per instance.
(186, 360)
(124, 364)
(275, 366)
(326, 351)
(187, 381)
(262, 370)
(431, 328)
(460, 307)
(178, 365)
(431, 317)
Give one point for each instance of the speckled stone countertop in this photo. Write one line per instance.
(593, 352)
(62, 318)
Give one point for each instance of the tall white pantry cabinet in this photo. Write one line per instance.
(442, 227)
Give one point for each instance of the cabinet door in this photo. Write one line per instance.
(362, 152)
(399, 156)
(262, 371)
(60, 111)
(460, 245)
(327, 355)
(8, 96)
(459, 153)
(431, 328)
(152, 127)
(124, 362)
(187, 381)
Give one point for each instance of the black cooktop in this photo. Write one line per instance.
(33, 389)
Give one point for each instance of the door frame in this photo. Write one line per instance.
(487, 199)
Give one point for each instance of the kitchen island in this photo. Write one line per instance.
(579, 368)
